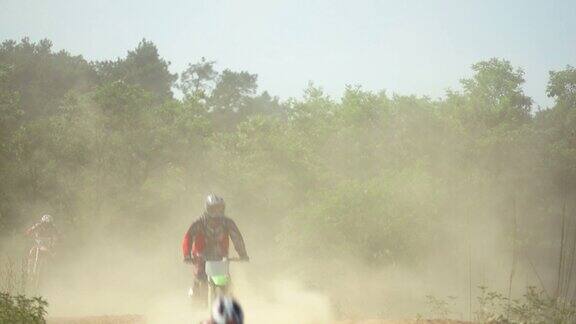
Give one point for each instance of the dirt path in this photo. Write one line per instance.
(137, 319)
(122, 319)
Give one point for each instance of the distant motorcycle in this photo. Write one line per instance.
(38, 256)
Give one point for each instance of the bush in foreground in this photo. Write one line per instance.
(534, 308)
(21, 309)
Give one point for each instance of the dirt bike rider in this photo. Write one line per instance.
(44, 233)
(208, 239)
(44, 229)
(226, 310)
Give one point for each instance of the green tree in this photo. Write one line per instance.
(562, 87)
(495, 93)
(40, 77)
(232, 90)
(142, 67)
(198, 80)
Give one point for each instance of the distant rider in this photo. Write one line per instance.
(44, 230)
(226, 310)
(208, 239)
(44, 234)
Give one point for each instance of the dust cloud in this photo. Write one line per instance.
(129, 275)
(353, 208)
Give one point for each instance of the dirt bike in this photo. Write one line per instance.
(37, 258)
(218, 278)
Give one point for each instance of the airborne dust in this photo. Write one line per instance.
(351, 207)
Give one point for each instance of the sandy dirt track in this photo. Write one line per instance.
(123, 319)
(136, 319)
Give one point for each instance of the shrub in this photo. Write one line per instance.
(534, 307)
(22, 310)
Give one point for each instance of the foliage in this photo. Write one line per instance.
(439, 307)
(22, 310)
(142, 67)
(386, 179)
(13, 276)
(534, 308)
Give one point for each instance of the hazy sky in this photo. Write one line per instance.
(421, 47)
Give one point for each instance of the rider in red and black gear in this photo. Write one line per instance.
(44, 234)
(44, 230)
(208, 239)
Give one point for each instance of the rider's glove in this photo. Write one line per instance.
(188, 259)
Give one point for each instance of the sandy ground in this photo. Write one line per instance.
(136, 319)
(124, 319)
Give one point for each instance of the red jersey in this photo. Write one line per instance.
(209, 236)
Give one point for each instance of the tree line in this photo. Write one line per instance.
(376, 175)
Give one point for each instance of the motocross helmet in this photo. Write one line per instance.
(215, 205)
(226, 310)
(46, 219)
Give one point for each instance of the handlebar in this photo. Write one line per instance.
(234, 259)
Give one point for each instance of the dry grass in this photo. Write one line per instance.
(12, 276)
(419, 321)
